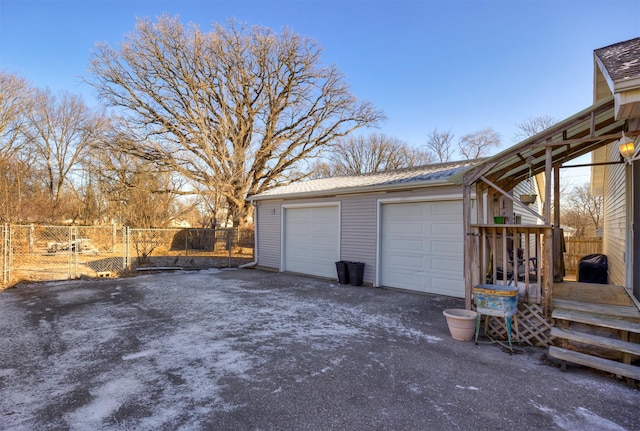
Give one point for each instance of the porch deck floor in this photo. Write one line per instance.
(595, 298)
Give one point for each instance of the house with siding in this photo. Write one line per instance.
(609, 335)
(432, 228)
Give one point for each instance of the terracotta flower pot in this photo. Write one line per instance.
(462, 323)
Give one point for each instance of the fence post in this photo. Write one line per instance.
(229, 244)
(31, 239)
(5, 253)
(74, 250)
(126, 237)
(113, 236)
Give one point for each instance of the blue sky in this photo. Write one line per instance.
(459, 65)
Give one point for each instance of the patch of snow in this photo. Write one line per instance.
(138, 355)
(209, 271)
(582, 419)
(107, 399)
(6, 372)
(206, 331)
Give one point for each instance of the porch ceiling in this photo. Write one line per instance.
(580, 134)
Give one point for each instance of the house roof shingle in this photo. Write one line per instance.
(420, 175)
(621, 60)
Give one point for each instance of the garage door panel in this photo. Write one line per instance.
(446, 286)
(322, 241)
(445, 231)
(311, 240)
(407, 262)
(450, 208)
(405, 246)
(422, 247)
(395, 211)
(412, 279)
(445, 248)
(443, 265)
(407, 228)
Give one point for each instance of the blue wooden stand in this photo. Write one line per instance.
(499, 301)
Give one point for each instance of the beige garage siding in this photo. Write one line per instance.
(358, 224)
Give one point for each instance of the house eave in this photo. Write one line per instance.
(579, 134)
(626, 85)
(377, 188)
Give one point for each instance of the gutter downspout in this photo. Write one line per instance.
(255, 239)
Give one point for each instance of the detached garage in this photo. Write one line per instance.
(405, 225)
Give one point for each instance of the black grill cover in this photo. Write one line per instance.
(593, 269)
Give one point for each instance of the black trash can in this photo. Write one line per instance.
(343, 272)
(356, 271)
(593, 269)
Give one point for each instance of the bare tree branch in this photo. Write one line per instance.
(16, 101)
(583, 211)
(479, 144)
(373, 153)
(235, 107)
(60, 131)
(440, 145)
(532, 126)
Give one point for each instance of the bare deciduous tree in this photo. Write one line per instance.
(532, 126)
(136, 193)
(60, 132)
(439, 144)
(320, 169)
(372, 153)
(16, 171)
(479, 144)
(234, 109)
(16, 100)
(583, 211)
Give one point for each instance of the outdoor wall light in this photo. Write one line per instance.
(627, 149)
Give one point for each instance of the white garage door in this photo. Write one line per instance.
(422, 247)
(311, 242)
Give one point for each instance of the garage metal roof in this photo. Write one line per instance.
(580, 134)
(429, 175)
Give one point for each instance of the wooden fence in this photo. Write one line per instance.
(577, 248)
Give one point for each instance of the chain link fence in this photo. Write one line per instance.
(37, 253)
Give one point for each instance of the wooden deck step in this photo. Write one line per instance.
(627, 311)
(597, 340)
(596, 319)
(614, 367)
(591, 292)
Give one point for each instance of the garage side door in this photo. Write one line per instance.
(422, 247)
(311, 240)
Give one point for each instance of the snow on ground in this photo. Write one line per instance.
(203, 332)
(173, 350)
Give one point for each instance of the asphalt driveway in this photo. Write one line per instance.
(253, 350)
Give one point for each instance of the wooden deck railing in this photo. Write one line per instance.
(515, 255)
